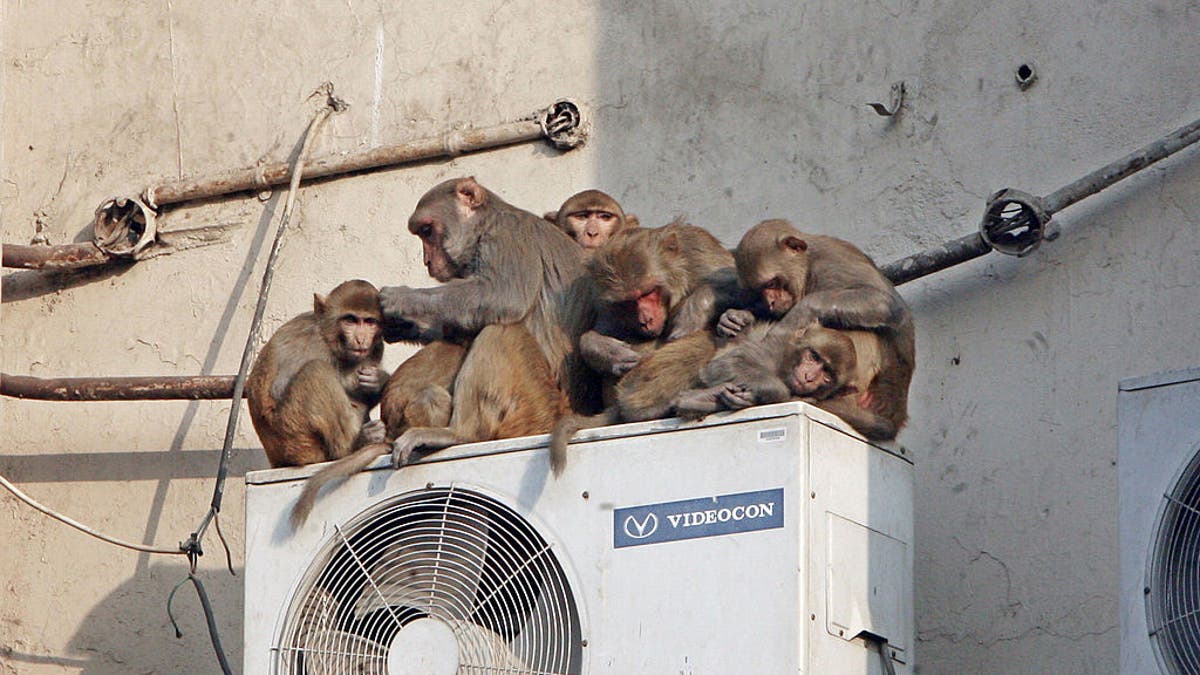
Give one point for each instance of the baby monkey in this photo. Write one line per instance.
(770, 364)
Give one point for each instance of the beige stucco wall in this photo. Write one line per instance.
(727, 113)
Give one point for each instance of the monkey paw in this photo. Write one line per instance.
(733, 322)
(402, 449)
(736, 396)
(373, 432)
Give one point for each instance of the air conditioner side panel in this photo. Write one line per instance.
(860, 563)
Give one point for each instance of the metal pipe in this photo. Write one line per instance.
(159, 388)
(125, 227)
(561, 123)
(62, 257)
(973, 246)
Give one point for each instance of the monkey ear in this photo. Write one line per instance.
(794, 244)
(318, 304)
(669, 244)
(470, 193)
(551, 216)
(631, 221)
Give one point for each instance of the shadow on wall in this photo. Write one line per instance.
(129, 630)
(129, 466)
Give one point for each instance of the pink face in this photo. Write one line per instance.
(810, 376)
(592, 227)
(645, 314)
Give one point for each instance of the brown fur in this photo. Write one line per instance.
(503, 390)
(499, 265)
(591, 218)
(502, 267)
(806, 278)
(688, 275)
(307, 398)
(417, 394)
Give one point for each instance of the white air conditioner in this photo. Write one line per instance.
(771, 540)
(1158, 479)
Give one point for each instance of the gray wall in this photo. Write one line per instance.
(727, 114)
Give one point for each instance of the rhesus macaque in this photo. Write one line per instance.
(653, 283)
(501, 266)
(814, 364)
(806, 278)
(591, 218)
(504, 389)
(316, 379)
(416, 395)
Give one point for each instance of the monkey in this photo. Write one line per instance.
(591, 218)
(504, 389)
(500, 266)
(654, 286)
(417, 394)
(813, 364)
(804, 278)
(317, 378)
(654, 283)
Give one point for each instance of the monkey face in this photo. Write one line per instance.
(592, 227)
(811, 376)
(433, 248)
(359, 334)
(645, 314)
(777, 297)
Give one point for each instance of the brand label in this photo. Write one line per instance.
(695, 518)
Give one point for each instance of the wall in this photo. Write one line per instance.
(728, 114)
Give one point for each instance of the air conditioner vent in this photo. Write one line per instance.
(436, 581)
(1173, 574)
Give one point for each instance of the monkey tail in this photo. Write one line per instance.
(342, 468)
(568, 426)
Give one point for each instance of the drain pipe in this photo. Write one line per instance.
(1015, 223)
(125, 228)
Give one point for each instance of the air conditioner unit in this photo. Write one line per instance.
(1158, 476)
(770, 540)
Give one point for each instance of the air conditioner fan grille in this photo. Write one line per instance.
(448, 580)
(1173, 574)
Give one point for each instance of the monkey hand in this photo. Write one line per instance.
(734, 321)
(608, 355)
(374, 431)
(736, 396)
(402, 307)
(696, 403)
(402, 449)
(370, 378)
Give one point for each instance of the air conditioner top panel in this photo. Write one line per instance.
(814, 413)
(1160, 379)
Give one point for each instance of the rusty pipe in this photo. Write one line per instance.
(561, 123)
(62, 257)
(123, 226)
(160, 388)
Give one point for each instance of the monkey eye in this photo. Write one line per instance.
(605, 215)
(774, 284)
